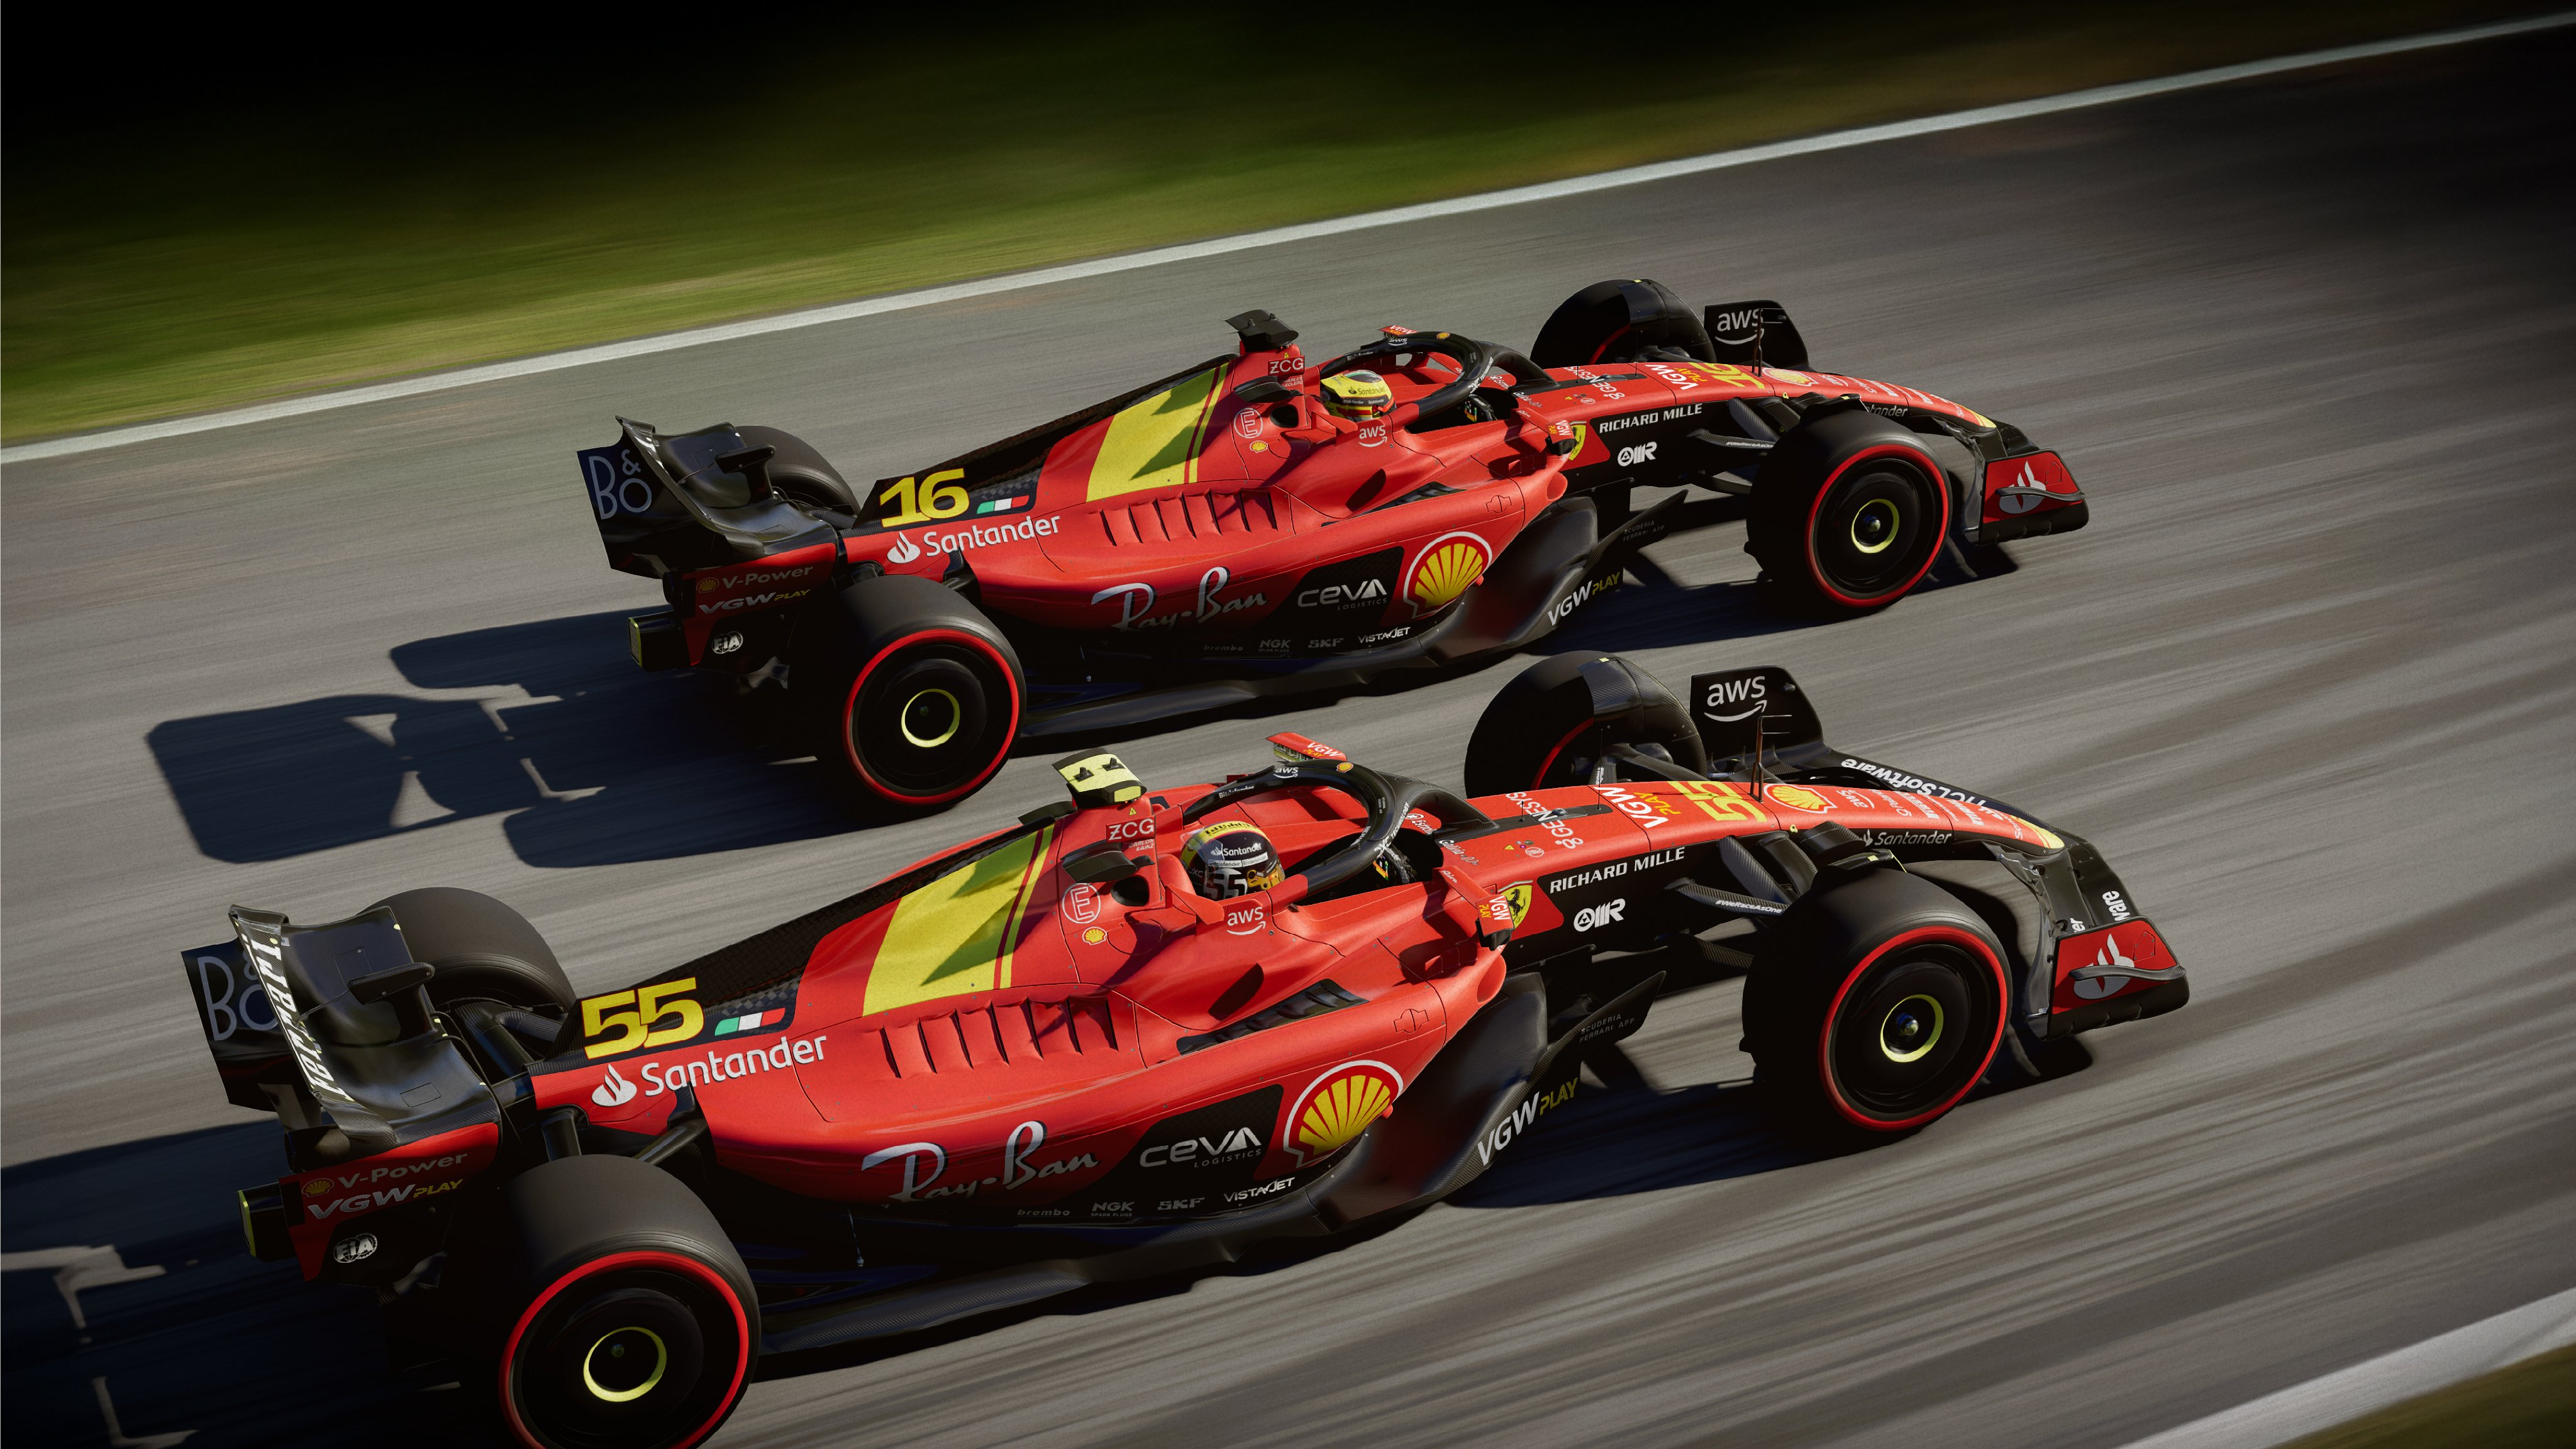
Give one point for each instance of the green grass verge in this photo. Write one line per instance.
(174, 268)
(2531, 1405)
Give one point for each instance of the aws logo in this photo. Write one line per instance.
(1338, 1106)
(1746, 694)
(1444, 569)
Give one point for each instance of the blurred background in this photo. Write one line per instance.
(234, 203)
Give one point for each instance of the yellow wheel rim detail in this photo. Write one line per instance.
(1341, 1112)
(661, 1364)
(1875, 508)
(956, 716)
(1931, 1039)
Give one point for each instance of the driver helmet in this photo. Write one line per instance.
(1359, 395)
(1231, 858)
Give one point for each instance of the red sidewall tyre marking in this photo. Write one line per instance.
(1948, 935)
(686, 1265)
(1807, 542)
(1558, 750)
(849, 706)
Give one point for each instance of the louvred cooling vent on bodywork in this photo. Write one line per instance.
(1019, 1033)
(1243, 514)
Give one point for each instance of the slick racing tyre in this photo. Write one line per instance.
(1873, 1006)
(913, 695)
(1622, 320)
(800, 473)
(624, 1317)
(1848, 513)
(1548, 727)
(484, 951)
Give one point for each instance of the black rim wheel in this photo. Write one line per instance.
(930, 720)
(1875, 530)
(1911, 1031)
(627, 1359)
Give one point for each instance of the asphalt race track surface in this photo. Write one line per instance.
(2307, 680)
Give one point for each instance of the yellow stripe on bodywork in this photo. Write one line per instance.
(955, 936)
(1154, 442)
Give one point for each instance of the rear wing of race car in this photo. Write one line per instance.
(667, 504)
(330, 1028)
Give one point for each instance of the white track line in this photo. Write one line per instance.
(1193, 251)
(2364, 1388)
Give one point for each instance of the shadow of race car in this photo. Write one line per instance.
(1046, 1059)
(1223, 534)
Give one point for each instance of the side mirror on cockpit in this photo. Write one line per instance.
(1283, 402)
(1106, 865)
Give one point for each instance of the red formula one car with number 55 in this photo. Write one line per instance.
(1258, 524)
(1132, 1034)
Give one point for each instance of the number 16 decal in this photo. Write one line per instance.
(938, 497)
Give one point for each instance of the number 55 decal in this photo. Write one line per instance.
(642, 1021)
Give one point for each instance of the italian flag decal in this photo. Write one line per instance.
(753, 1022)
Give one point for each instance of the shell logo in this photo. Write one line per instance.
(1444, 569)
(1796, 797)
(1338, 1106)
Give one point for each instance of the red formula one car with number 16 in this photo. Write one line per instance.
(1132, 1034)
(1258, 524)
